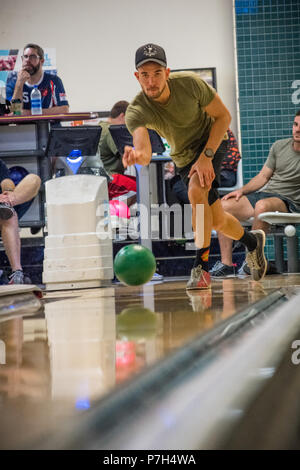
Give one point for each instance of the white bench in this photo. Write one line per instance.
(289, 220)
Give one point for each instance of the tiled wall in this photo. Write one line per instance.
(268, 55)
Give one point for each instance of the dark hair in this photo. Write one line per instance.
(118, 108)
(297, 113)
(39, 50)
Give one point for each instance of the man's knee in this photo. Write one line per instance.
(266, 205)
(32, 181)
(229, 204)
(197, 194)
(240, 209)
(35, 180)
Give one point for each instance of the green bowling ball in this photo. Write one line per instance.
(137, 322)
(134, 265)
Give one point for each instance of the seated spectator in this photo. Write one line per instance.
(111, 159)
(53, 94)
(120, 184)
(15, 200)
(275, 188)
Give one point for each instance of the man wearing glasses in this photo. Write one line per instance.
(53, 94)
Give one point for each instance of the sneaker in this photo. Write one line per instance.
(222, 270)
(200, 300)
(244, 269)
(157, 277)
(6, 211)
(256, 259)
(271, 268)
(199, 279)
(16, 277)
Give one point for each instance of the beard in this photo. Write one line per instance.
(157, 94)
(32, 70)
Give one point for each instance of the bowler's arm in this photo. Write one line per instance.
(64, 109)
(141, 152)
(222, 118)
(49, 111)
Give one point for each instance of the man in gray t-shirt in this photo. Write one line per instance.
(275, 188)
(284, 162)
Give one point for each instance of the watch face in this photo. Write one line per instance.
(209, 153)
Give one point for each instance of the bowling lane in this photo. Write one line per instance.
(87, 342)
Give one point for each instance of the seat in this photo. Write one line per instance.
(289, 220)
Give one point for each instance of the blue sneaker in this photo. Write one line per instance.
(157, 277)
(221, 270)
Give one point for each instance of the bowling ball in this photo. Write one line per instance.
(119, 209)
(137, 322)
(17, 173)
(134, 265)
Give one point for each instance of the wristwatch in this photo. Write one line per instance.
(209, 153)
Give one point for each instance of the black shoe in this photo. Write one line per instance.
(221, 270)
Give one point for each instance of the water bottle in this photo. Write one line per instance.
(36, 101)
(74, 160)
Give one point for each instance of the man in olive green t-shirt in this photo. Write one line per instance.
(190, 115)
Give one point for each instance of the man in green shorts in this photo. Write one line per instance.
(189, 114)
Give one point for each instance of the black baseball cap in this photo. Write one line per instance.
(150, 53)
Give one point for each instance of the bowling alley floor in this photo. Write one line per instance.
(83, 345)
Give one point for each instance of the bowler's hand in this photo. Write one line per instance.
(8, 197)
(130, 156)
(205, 171)
(236, 194)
